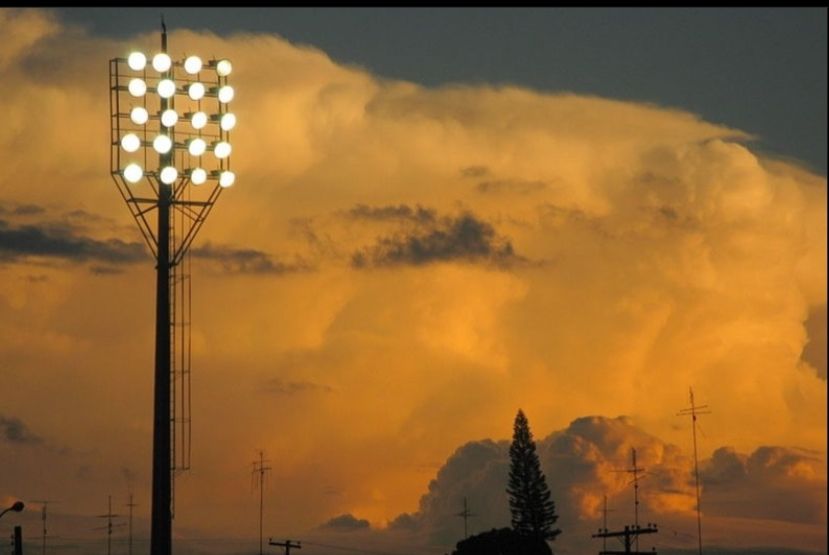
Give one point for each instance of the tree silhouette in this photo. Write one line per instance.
(533, 512)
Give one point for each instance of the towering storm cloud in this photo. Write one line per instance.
(396, 270)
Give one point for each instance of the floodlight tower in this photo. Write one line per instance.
(179, 111)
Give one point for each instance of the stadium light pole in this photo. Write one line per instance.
(179, 111)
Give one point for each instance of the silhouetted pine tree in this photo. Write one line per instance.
(533, 512)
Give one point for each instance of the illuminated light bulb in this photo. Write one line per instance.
(196, 91)
(198, 120)
(192, 65)
(197, 147)
(137, 87)
(224, 67)
(130, 142)
(162, 144)
(162, 62)
(166, 88)
(137, 61)
(222, 149)
(139, 115)
(226, 178)
(169, 175)
(169, 118)
(133, 173)
(198, 176)
(227, 122)
(226, 94)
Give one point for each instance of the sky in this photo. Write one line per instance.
(415, 248)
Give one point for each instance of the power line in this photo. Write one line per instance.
(693, 411)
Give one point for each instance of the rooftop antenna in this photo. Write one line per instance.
(131, 505)
(43, 513)
(258, 474)
(635, 470)
(605, 510)
(109, 526)
(693, 411)
(465, 514)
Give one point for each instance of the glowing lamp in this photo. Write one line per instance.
(225, 94)
(137, 61)
(223, 68)
(227, 121)
(166, 88)
(137, 87)
(222, 149)
(130, 142)
(139, 115)
(198, 176)
(192, 65)
(162, 144)
(162, 62)
(169, 175)
(198, 120)
(226, 178)
(169, 118)
(197, 147)
(196, 91)
(133, 173)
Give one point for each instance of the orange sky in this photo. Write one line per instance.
(425, 262)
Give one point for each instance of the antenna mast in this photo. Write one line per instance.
(693, 411)
(258, 472)
(465, 514)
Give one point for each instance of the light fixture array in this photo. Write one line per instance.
(184, 119)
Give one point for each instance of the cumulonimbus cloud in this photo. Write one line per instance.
(679, 257)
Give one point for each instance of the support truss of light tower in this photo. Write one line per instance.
(170, 158)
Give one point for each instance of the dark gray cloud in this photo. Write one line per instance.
(775, 483)
(65, 242)
(13, 430)
(21, 209)
(346, 523)
(279, 386)
(247, 261)
(464, 238)
(475, 171)
(400, 212)
(815, 350)
(519, 186)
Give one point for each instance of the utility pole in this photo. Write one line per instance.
(258, 474)
(130, 505)
(693, 411)
(628, 536)
(287, 544)
(465, 514)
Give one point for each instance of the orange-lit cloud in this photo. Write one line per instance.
(569, 255)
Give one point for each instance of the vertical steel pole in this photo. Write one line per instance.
(161, 541)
